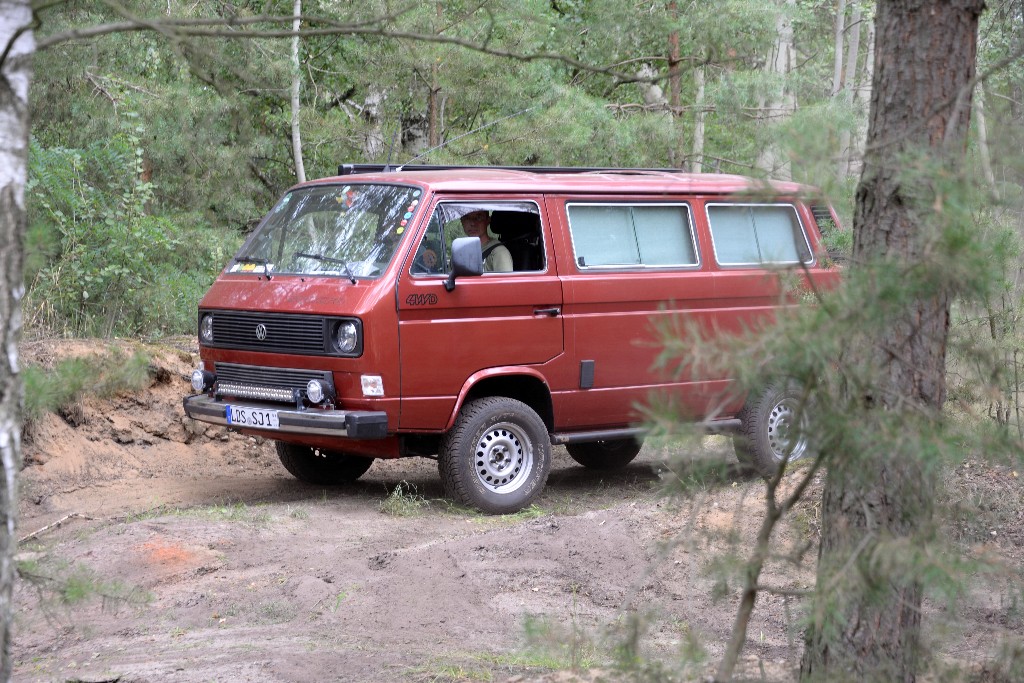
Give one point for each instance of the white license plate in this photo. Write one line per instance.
(242, 416)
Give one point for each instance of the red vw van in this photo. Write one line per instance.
(358, 321)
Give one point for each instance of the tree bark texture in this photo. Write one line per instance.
(837, 64)
(300, 167)
(18, 45)
(924, 63)
(780, 63)
(848, 87)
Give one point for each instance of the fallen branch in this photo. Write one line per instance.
(53, 525)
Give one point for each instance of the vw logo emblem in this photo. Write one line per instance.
(261, 332)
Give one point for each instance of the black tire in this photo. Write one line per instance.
(497, 456)
(763, 441)
(605, 455)
(318, 466)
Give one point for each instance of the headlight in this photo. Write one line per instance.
(346, 337)
(206, 329)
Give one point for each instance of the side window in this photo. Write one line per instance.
(755, 234)
(509, 232)
(632, 235)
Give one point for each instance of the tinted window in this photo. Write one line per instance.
(612, 235)
(749, 234)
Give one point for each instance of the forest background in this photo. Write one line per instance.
(152, 157)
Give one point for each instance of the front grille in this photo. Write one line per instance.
(269, 384)
(270, 332)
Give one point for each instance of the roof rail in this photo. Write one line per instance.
(354, 169)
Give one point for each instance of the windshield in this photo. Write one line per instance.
(343, 230)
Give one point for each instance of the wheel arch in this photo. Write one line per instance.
(522, 384)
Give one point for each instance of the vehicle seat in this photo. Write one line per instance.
(519, 231)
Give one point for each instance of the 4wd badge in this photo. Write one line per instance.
(421, 299)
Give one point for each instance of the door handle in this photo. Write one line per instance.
(550, 312)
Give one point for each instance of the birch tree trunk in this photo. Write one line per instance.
(866, 620)
(674, 79)
(781, 62)
(434, 123)
(849, 88)
(837, 68)
(300, 168)
(697, 154)
(15, 76)
(986, 157)
(862, 99)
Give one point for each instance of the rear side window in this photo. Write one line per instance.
(756, 234)
(632, 235)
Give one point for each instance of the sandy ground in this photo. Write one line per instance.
(191, 555)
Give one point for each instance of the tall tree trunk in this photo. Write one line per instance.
(15, 76)
(849, 89)
(697, 155)
(780, 63)
(300, 168)
(837, 65)
(434, 124)
(862, 99)
(924, 63)
(674, 78)
(983, 151)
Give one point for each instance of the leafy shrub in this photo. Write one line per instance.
(113, 267)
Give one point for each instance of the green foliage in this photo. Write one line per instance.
(119, 270)
(56, 389)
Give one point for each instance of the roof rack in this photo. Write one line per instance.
(354, 169)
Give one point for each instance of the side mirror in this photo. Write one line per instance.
(467, 259)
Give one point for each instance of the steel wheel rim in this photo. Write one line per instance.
(781, 422)
(503, 457)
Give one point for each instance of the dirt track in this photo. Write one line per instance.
(217, 565)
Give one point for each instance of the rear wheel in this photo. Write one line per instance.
(770, 432)
(605, 455)
(497, 456)
(318, 466)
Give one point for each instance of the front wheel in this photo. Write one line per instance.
(497, 456)
(605, 455)
(317, 466)
(774, 429)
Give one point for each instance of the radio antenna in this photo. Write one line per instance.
(394, 143)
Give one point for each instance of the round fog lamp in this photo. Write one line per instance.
(198, 380)
(314, 391)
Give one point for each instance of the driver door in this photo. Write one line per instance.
(495, 320)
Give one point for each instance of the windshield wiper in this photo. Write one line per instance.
(328, 259)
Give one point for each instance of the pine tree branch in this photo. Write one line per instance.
(236, 28)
